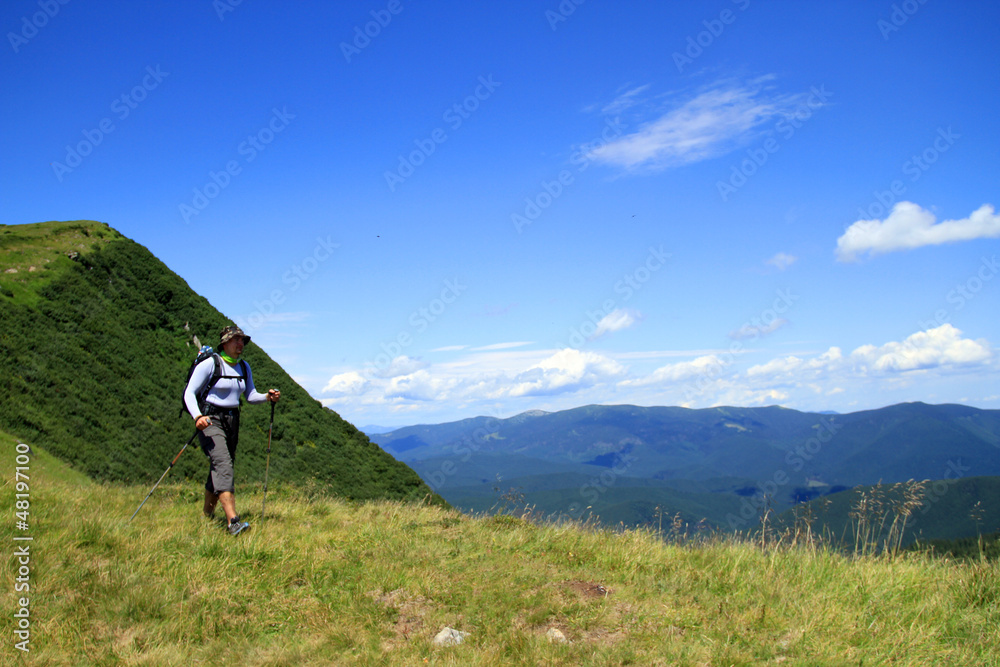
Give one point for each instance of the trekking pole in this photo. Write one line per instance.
(267, 466)
(162, 476)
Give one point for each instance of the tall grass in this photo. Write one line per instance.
(325, 581)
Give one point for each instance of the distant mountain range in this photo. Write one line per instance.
(374, 429)
(634, 465)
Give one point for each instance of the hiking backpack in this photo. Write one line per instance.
(203, 354)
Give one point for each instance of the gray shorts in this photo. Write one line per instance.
(218, 441)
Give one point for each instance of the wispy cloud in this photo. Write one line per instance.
(781, 261)
(755, 331)
(713, 122)
(616, 320)
(624, 101)
(450, 348)
(910, 226)
(501, 346)
(399, 366)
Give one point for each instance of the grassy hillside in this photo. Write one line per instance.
(328, 581)
(95, 342)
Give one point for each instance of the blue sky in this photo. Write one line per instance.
(431, 211)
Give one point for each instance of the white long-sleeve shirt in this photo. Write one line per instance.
(226, 392)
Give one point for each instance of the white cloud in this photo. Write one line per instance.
(401, 365)
(624, 101)
(939, 348)
(943, 346)
(795, 368)
(715, 121)
(781, 261)
(616, 320)
(709, 365)
(566, 370)
(751, 331)
(501, 346)
(346, 384)
(910, 226)
(420, 385)
(509, 381)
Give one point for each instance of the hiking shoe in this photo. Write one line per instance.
(237, 526)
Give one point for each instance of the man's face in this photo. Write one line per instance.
(234, 346)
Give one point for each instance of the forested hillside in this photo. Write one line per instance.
(96, 337)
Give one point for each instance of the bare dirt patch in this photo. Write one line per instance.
(589, 589)
(410, 611)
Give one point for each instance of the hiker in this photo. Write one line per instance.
(218, 419)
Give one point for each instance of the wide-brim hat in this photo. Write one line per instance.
(228, 333)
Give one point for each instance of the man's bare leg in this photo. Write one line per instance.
(228, 502)
(210, 500)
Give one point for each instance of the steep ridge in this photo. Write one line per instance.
(95, 341)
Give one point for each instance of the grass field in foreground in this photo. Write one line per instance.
(323, 581)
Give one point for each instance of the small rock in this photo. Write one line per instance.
(449, 637)
(556, 636)
(11, 271)
(31, 269)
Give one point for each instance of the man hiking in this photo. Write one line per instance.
(217, 418)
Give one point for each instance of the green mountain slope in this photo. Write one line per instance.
(96, 338)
